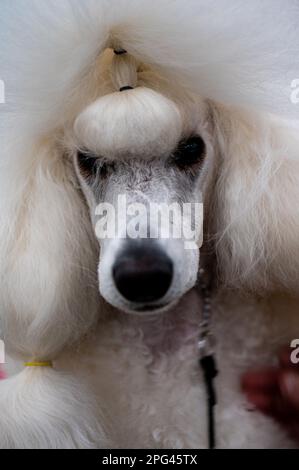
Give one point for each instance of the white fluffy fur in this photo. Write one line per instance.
(56, 411)
(140, 122)
(153, 385)
(258, 213)
(49, 61)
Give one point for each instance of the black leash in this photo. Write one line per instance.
(207, 358)
(209, 370)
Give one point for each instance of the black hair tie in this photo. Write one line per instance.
(123, 88)
(119, 51)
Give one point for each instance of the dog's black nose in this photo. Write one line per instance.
(142, 272)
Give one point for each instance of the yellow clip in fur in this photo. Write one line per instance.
(38, 364)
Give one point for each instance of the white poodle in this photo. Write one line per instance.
(161, 101)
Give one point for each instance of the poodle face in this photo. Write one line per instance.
(145, 267)
(144, 162)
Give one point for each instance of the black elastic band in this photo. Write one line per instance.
(119, 51)
(123, 88)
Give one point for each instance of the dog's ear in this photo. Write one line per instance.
(48, 298)
(257, 200)
(46, 252)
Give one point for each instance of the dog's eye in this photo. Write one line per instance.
(190, 152)
(91, 166)
(87, 164)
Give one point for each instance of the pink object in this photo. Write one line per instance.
(2, 373)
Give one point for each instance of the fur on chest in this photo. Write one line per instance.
(145, 374)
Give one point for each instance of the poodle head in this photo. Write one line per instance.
(139, 140)
(143, 160)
